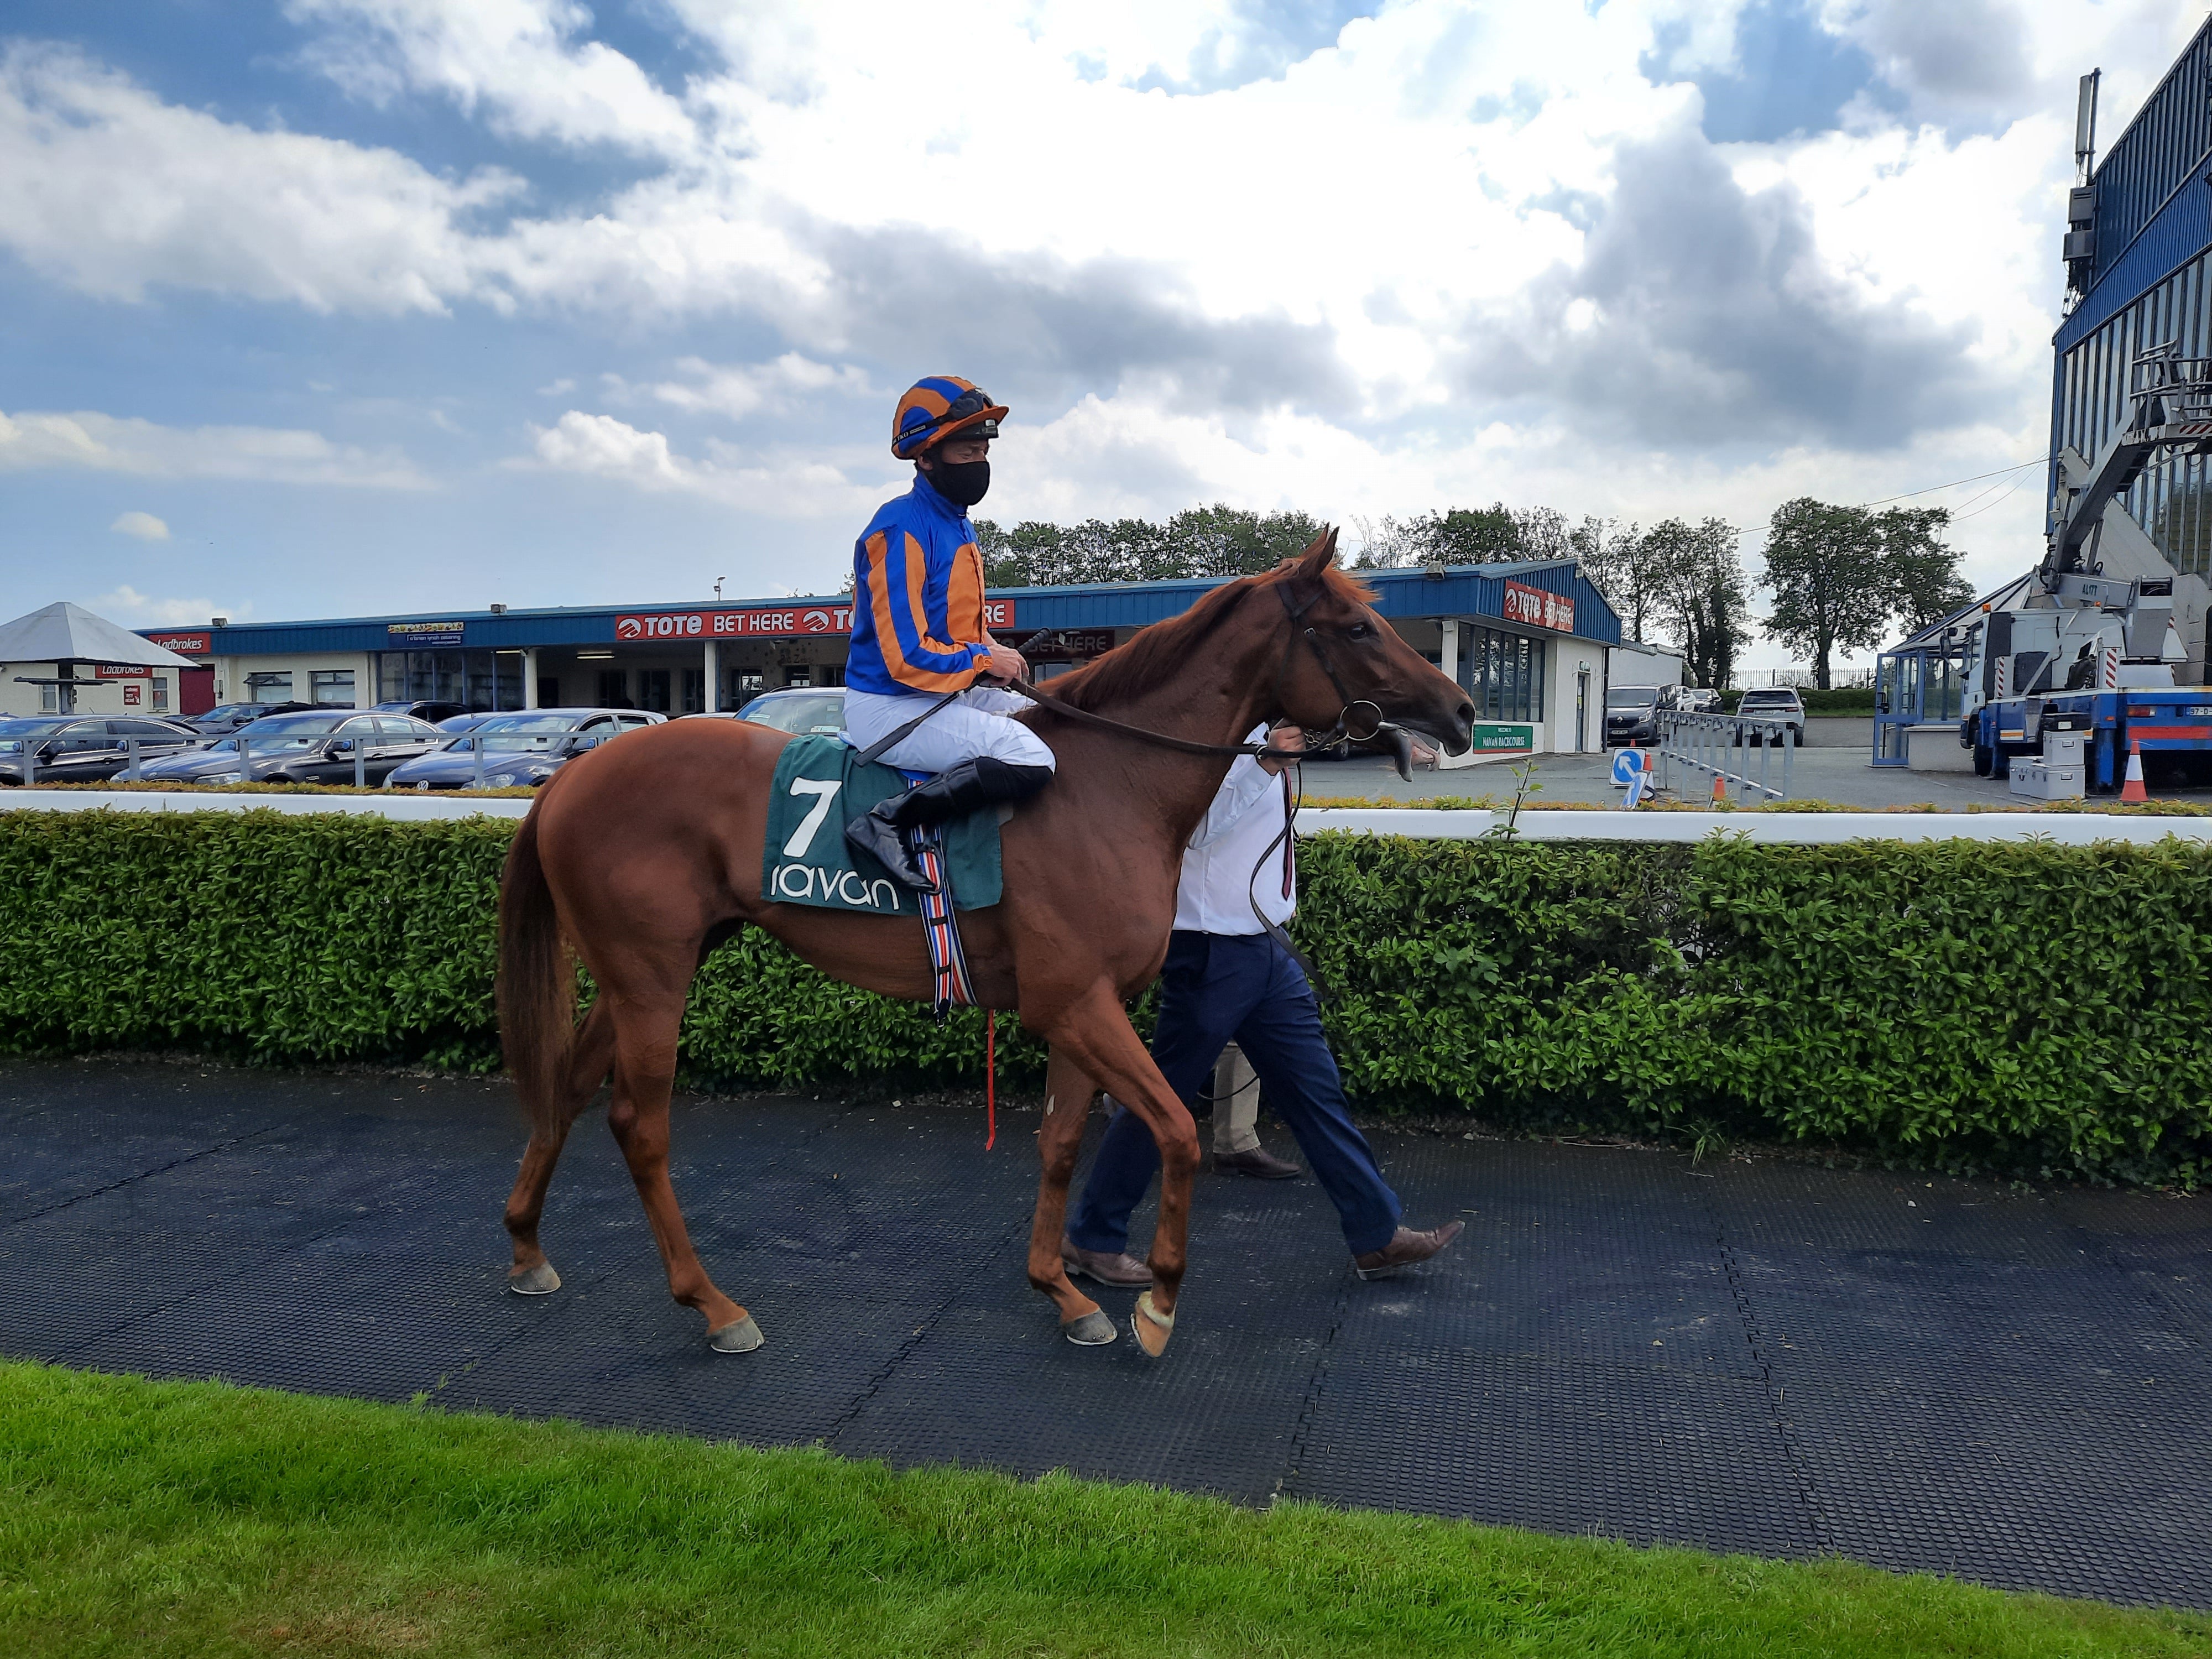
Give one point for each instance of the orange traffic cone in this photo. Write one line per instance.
(2133, 788)
(1720, 790)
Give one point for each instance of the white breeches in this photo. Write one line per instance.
(973, 725)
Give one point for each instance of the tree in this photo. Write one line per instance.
(1841, 575)
(1924, 571)
(1200, 541)
(1614, 560)
(1698, 593)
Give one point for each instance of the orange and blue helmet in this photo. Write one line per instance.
(936, 407)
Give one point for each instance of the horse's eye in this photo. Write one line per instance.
(1358, 630)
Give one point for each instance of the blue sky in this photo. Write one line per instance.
(394, 305)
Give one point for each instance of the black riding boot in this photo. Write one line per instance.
(968, 787)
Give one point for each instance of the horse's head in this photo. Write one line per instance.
(1348, 666)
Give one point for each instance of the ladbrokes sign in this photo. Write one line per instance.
(794, 622)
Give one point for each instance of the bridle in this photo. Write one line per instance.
(1341, 731)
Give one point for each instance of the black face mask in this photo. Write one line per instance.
(963, 485)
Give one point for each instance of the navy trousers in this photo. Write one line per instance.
(1217, 987)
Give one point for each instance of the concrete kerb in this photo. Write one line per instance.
(1792, 828)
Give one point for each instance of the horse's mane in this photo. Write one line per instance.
(1153, 654)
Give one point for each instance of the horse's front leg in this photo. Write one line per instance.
(1096, 1034)
(1067, 1096)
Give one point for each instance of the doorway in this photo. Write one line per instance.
(1581, 711)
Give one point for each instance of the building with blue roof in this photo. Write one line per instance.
(1528, 641)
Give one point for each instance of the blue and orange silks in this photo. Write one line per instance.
(917, 599)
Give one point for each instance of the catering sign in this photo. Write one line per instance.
(763, 622)
(422, 636)
(1538, 609)
(185, 645)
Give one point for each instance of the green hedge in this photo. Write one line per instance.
(2024, 1006)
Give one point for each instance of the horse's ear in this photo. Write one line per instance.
(1320, 554)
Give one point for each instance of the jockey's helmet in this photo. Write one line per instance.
(936, 407)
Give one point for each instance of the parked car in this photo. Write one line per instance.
(82, 748)
(1780, 704)
(192, 765)
(422, 710)
(800, 710)
(321, 748)
(226, 718)
(1631, 714)
(1696, 700)
(522, 749)
(464, 722)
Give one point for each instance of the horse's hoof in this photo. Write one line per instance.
(1092, 1330)
(540, 1280)
(740, 1335)
(1151, 1327)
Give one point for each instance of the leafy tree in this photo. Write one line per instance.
(1613, 558)
(1841, 574)
(1924, 571)
(1464, 535)
(1698, 593)
(1204, 541)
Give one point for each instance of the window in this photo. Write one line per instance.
(50, 700)
(333, 687)
(695, 690)
(830, 673)
(549, 691)
(269, 688)
(1502, 673)
(161, 692)
(798, 674)
(614, 687)
(652, 689)
(744, 687)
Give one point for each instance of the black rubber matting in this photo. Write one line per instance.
(1943, 1375)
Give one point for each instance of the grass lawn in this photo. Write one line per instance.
(147, 1518)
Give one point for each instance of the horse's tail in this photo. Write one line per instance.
(537, 981)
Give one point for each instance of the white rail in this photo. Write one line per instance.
(1798, 828)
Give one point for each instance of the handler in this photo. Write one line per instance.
(918, 632)
(1226, 977)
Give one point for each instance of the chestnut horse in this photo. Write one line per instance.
(641, 856)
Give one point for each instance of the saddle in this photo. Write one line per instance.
(821, 782)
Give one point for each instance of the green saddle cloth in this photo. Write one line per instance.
(818, 789)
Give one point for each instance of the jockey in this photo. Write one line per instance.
(918, 632)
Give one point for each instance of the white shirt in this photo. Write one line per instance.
(1219, 885)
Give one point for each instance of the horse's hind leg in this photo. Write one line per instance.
(645, 1076)
(592, 1052)
(1099, 1039)
(1067, 1095)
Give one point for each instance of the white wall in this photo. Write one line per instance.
(1631, 666)
(157, 694)
(230, 674)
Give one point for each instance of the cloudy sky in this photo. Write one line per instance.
(330, 306)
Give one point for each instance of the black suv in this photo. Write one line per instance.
(321, 748)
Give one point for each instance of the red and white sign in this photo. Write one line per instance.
(1538, 609)
(131, 696)
(121, 671)
(185, 645)
(795, 621)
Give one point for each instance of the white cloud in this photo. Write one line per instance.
(518, 60)
(109, 190)
(144, 526)
(106, 443)
(740, 390)
(126, 605)
(774, 482)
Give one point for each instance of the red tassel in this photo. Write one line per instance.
(990, 1078)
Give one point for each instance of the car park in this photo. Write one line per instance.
(801, 710)
(1780, 702)
(324, 748)
(227, 718)
(520, 749)
(83, 747)
(192, 765)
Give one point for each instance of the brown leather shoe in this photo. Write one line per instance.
(1114, 1267)
(1259, 1164)
(1404, 1248)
